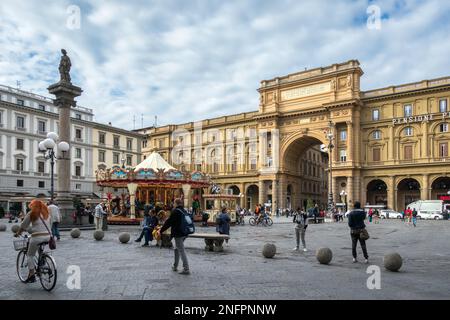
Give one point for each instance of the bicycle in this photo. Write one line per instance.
(45, 265)
(265, 221)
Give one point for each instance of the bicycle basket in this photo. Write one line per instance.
(20, 244)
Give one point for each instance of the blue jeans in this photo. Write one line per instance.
(147, 234)
(55, 229)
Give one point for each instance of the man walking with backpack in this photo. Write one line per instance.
(358, 230)
(179, 230)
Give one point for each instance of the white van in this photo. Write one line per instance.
(428, 209)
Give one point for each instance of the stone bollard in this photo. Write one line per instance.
(124, 237)
(98, 235)
(324, 255)
(2, 227)
(269, 250)
(15, 228)
(392, 261)
(75, 233)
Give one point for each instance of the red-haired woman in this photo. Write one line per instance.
(39, 218)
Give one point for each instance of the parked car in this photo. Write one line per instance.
(429, 215)
(390, 214)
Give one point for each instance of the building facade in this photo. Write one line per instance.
(25, 120)
(390, 145)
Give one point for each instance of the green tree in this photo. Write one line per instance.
(309, 204)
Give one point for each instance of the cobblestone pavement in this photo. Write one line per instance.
(111, 270)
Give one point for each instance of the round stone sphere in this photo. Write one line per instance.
(392, 261)
(324, 255)
(15, 228)
(75, 233)
(124, 237)
(98, 235)
(269, 250)
(2, 227)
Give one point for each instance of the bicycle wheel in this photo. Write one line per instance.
(269, 222)
(22, 265)
(47, 272)
(252, 221)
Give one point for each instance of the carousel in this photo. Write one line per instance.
(152, 183)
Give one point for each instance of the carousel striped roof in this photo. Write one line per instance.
(154, 161)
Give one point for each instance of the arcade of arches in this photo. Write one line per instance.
(390, 145)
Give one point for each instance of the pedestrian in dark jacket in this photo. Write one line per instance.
(174, 223)
(356, 223)
(223, 223)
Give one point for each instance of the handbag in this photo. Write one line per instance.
(364, 234)
(51, 242)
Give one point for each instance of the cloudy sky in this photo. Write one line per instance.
(190, 60)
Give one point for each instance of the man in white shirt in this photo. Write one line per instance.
(55, 218)
(99, 212)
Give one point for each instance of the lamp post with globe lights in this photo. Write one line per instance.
(47, 147)
(329, 148)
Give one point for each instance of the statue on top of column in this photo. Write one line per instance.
(64, 67)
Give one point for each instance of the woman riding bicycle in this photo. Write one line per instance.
(36, 217)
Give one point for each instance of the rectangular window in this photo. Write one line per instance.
(78, 133)
(116, 142)
(20, 183)
(375, 114)
(253, 164)
(78, 186)
(41, 184)
(19, 164)
(42, 107)
(443, 150)
(101, 138)
(198, 167)
(376, 154)
(20, 122)
(42, 127)
(19, 144)
(41, 166)
(20, 102)
(343, 155)
(129, 161)
(377, 135)
(116, 158)
(198, 139)
(78, 153)
(129, 144)
(408, 131)
(443, 127)
(443, 105)
(407, 110)
(101, 156)
(343, 135)
(1, 117)
(78, 171)
(408, 152)
(78, 116)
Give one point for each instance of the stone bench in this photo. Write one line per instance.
(213, 241)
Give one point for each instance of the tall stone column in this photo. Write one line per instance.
(242, 199)
(424, 146)
(391, 193)
(283, 191)
(424, 188)
(261, 192)
(65, 94)
(350, 144)
(335, 189)
(275, 199)
(391, 143)
(350, 192)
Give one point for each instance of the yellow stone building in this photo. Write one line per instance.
(390, 144)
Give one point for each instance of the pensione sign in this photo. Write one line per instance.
(422, 118)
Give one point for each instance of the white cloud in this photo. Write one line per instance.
(185, 61)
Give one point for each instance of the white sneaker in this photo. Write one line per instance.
(295, 249)
(354, 260)
(304, 250)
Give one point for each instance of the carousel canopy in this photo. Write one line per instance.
(155, 162)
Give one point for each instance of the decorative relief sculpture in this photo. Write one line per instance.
(349, 81)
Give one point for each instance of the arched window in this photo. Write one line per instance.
(408, 131)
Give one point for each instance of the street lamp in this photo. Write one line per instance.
(329, 135)
(47, 147)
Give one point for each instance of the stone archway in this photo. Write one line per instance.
(303, 162)
(251, 196)
(234, 189)
(408, 190)
(376, 193)
(440, 187)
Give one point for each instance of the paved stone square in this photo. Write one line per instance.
(111, 270)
